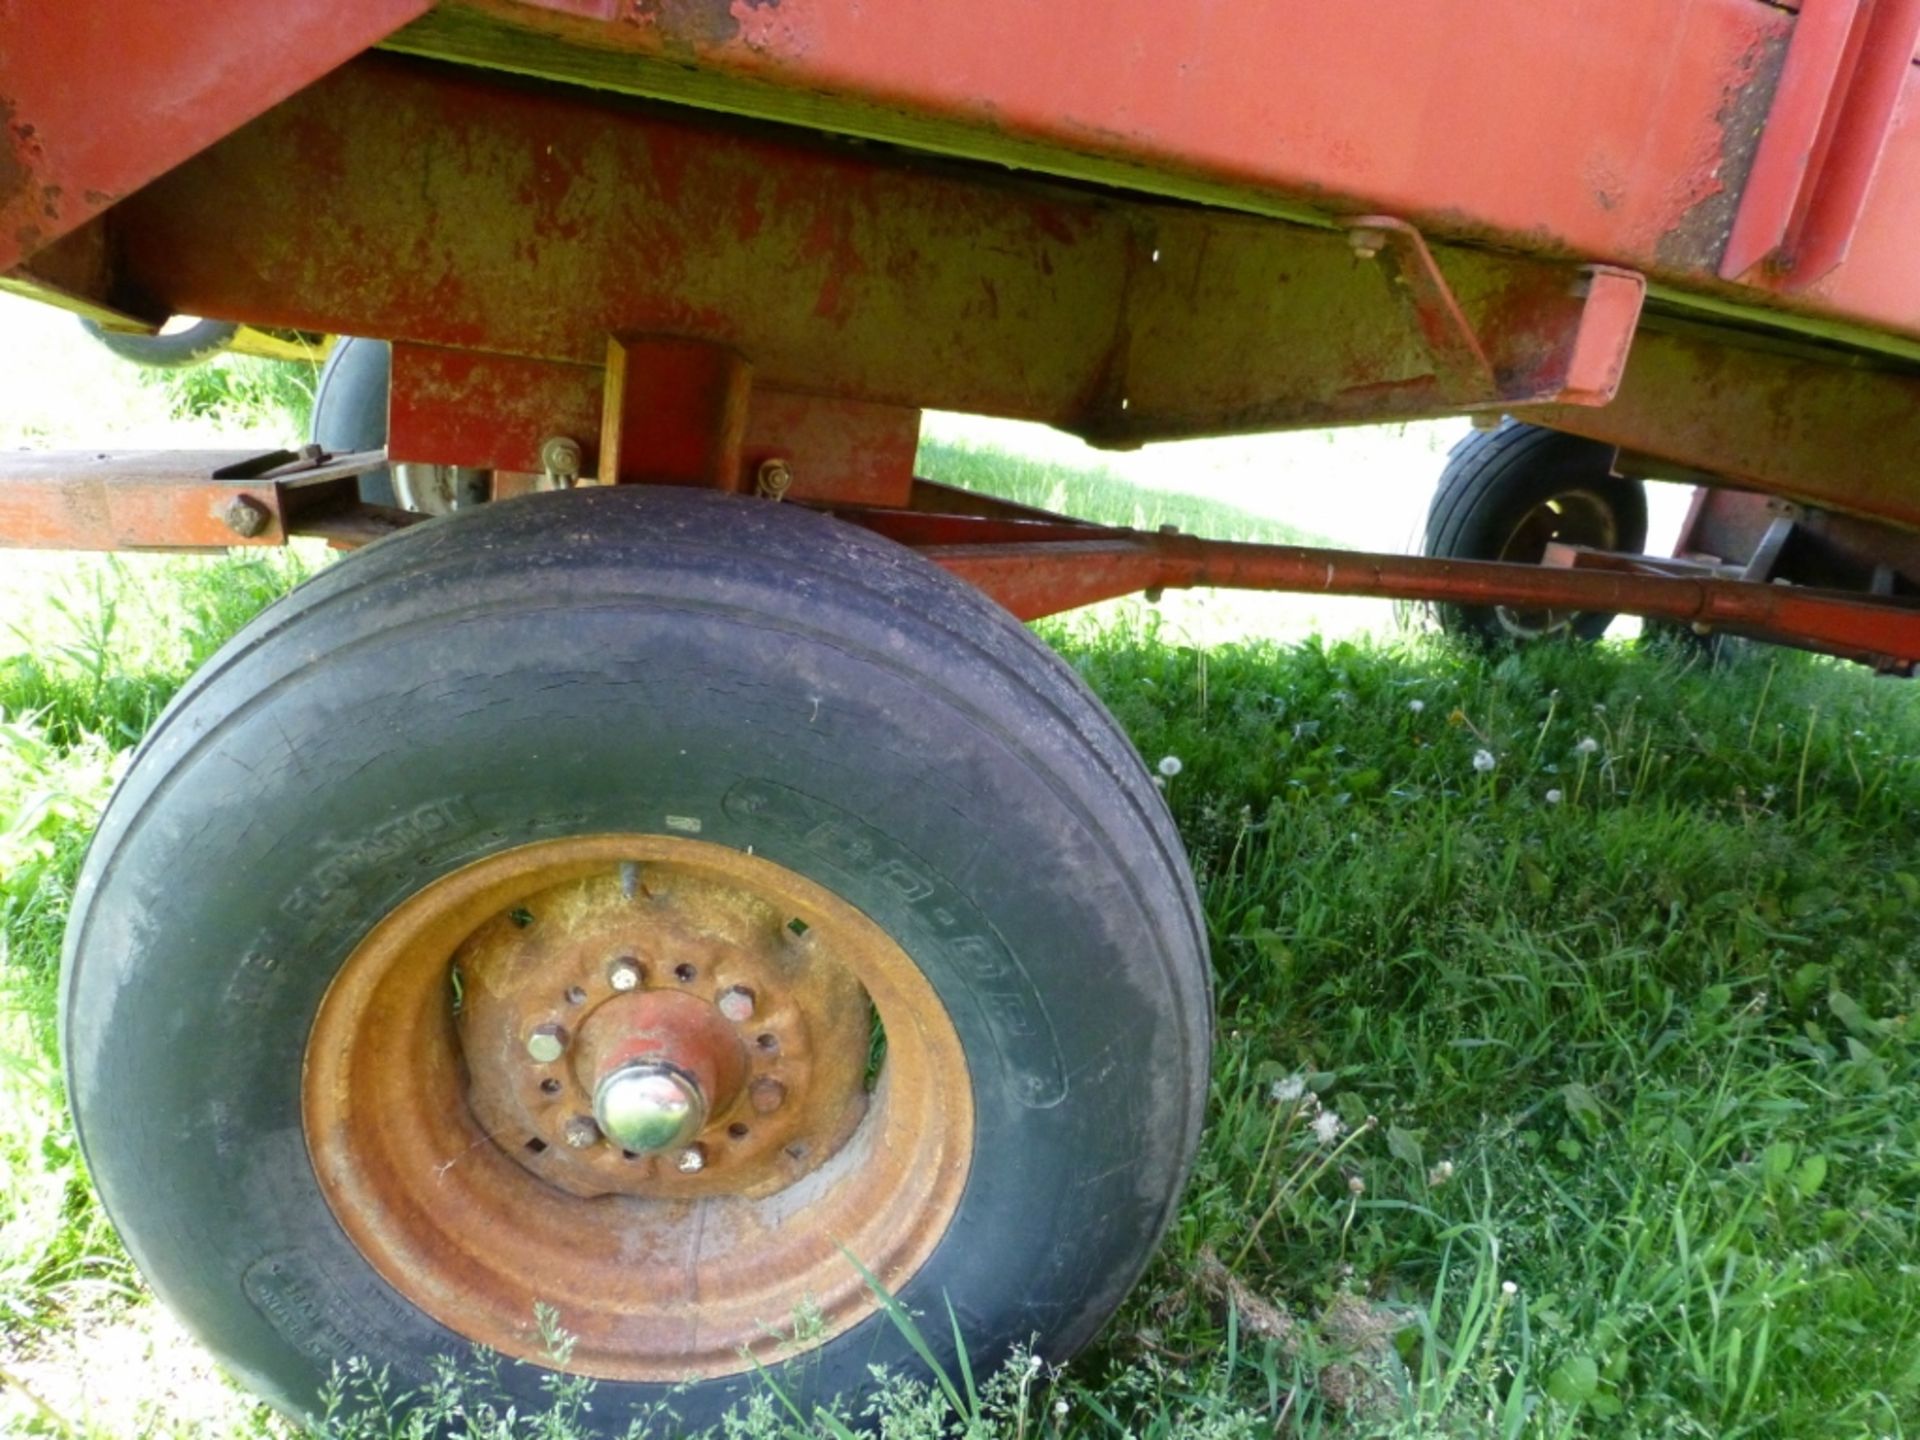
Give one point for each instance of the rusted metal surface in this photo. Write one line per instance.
(1780, 422)
(835, 274)
(1621, 131)
(445, 1209)
(673, 412)
(164, 499)
(1826, 133)
(808, 1032)
(492, 411)
(1037, 578)
(96, 100)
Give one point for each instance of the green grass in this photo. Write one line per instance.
(1573, 1096)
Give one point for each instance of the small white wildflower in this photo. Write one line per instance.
(1170, 765)
(1483, 761)
(1416, 706)
(1289, 1090)
(1328, 1127)
(1509, 1289)
(1060, 1409)
(1554, 797)
(1586, 746)
(1439, 1175)
(1033, 1364)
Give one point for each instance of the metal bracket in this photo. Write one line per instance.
(1583, 369)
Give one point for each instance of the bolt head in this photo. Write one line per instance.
(245, 516)
(1366, 243)
(546, 1043)
(582, 1132)
(691, 1161)
(736, 1003)
(624, 974)
(646, 1106)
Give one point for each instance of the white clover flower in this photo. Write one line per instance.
(1327, 1127)
(1586, 746)
(1170, 766)
(1483, 761)
(1289, 1090)
(1553, 797)
(1416, 706)
(1439, 1175)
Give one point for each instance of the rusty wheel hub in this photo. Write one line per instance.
(636, 1078)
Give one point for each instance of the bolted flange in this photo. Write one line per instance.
(647, 1106)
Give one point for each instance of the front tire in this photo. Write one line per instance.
(563, 671)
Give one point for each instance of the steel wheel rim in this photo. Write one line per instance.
(678, 1275)
(1571, 517)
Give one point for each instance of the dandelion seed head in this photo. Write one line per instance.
(1440, 1174)
(1416, 706)
(1483, 761)
(1328, 1127)
(1060, 1408)
(1586, 746)
(1289, 1090)
(1509, 1289)
(1159, 782)
(1554, 797)
(1356, 1185)
(1170, 766)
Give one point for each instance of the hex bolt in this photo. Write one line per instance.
(546, 1043)
(560, 461)
(582, 1132)
(774, 478)
(692, 1160)
(624, 973)
(736, 1003)
(766, 1095)
(1366, 243)
(245, 516)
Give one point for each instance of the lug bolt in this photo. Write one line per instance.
(582, 1132)
(774, 479)
(766, 1095)
(692, 1160)
(624, 973)
(736, 1003)
(547, 1043)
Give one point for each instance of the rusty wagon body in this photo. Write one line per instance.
(733, 746)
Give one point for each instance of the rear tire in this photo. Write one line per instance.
(1505, 494)
(656, 664)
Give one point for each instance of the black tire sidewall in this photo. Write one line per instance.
(1494, 478)
(304, 796)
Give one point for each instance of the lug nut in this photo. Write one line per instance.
(736, 1003)
(692, 1160)
(582, 1132)
(766, 1095)
(624, 973)
(547, 1043)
